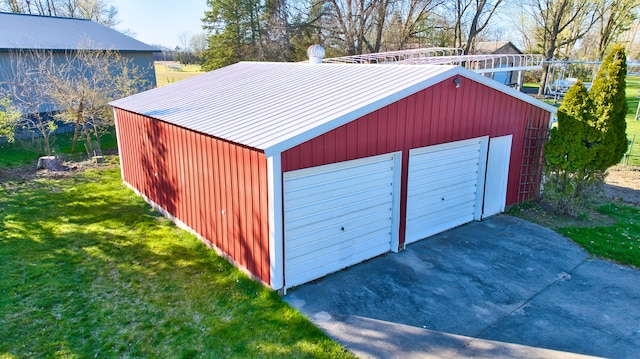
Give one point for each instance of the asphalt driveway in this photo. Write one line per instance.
(503, 287)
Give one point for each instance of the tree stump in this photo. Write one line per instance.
(49, 163)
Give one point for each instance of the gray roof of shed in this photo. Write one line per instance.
(275, 106)
(30, 32)
(492, 47)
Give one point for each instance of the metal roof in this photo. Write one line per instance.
(490, 47)
(275, 106)
(30, 32)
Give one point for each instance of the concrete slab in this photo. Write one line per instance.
(503, 287)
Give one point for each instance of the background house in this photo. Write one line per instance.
(295, 170)
(21, 34)
(512, 78)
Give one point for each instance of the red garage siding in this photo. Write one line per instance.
(218, 189)
(438, 114)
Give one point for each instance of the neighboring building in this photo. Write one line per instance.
(496, 47)
(62, 36)
(511, 78)
(295, 170)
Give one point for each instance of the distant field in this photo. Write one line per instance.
(169, 72)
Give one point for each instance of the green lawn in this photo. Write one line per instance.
(16, 154)
(633, 126)
(619, 242)
(90, 270)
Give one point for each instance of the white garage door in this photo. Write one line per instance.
(445, 186)
(338, 215)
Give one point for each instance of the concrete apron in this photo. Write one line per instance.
(503, 287)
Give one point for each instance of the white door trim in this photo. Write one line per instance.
(497, 176)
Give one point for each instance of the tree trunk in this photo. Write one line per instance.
(88, 137)
(75, 138)
(545, 66)
(49, 163)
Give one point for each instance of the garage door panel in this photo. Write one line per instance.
(337, 210)
(332, 199)
(453, 209)
(461, 197)
(454, 146)
(449, 172)
(336, 248)
(330, 174)
(468, 158)
(438, 187)
(304, 274)
(315, 188)
(443, 186)
(352, 222)
(445, 215)
(338, 215)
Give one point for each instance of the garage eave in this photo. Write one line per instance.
(277, 147)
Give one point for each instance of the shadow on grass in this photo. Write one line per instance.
(90, 270)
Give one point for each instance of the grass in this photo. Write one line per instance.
(633, 126)
(89, 270)
(619, 242)
(610, 230)
(16, 154)
(166, 74)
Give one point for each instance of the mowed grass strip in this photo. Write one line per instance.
(633, 126)
(89, 270)
(620, 242)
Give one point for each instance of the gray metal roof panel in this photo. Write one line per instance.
(31, 32)
(274, 106)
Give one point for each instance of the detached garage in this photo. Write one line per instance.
(294, 171)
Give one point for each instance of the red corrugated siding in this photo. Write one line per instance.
(435, 115)
(216, 188)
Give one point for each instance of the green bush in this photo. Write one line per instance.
(610, 107)
(590, 137)
(571, 154)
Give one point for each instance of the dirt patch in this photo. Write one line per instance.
(623, 184)
(27, 173)
(544, 215)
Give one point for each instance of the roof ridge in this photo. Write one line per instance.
(46, 16)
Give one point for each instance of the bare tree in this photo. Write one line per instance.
(471, 18)
(558, 23)
(615, 17)
(349, 21)
(28, 92)
(83, 83)
(100, 11)
(410, 19)
(74, 87)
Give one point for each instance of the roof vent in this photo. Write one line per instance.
(316, 54)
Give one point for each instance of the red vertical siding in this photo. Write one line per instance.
(216, 188)
(438, 114)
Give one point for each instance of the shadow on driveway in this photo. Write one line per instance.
(503, 287)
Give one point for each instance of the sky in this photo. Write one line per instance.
(160, 22)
